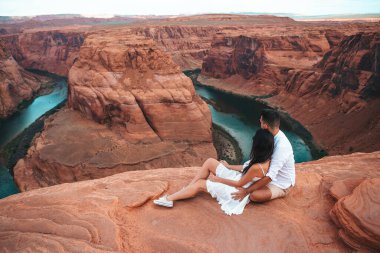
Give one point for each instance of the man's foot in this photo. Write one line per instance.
(163, 201)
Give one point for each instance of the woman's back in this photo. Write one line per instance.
(259, 170)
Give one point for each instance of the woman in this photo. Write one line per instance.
(228, 177)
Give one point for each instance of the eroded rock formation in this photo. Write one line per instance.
(187, 45)
(133, 109)
(16, 84)
(249, 56)
(350, 71)
(53, 51)
(324, 89)
(342, 93)
(131, 82)
(116, 214)
(257, 61)
(358, 214)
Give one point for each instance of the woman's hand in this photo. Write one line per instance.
(214, 178)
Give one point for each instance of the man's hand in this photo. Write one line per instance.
(240, 194)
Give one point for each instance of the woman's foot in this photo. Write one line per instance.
(163, 201)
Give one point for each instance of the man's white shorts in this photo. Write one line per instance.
(278, 192)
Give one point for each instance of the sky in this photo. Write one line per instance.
(174, 7)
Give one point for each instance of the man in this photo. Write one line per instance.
(281, 174)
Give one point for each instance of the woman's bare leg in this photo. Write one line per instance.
(189, 191)
(208, 166)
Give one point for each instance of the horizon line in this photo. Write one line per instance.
(194, 14)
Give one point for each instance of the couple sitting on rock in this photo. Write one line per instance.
(269, 174)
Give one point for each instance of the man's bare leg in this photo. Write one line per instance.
(261, 195)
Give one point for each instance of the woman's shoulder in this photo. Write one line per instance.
(261, 167)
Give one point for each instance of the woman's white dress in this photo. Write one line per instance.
(222, 192)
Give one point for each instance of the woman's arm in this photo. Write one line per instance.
(232, 167)
(252, 172)
(235, 167)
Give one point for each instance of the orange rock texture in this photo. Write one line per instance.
(16, 84)
(49, 50)
(116, 214)
(130, 82)
(130, 108)
(357, 215)
(324, 89)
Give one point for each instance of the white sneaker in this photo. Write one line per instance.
(163, 201)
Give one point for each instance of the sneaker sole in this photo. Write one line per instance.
(162, 203)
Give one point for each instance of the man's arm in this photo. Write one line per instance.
(278, 160)
(259, 184)
(239, 195)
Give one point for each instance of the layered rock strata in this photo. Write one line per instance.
(249, 56)
(16, 84)
(53, 51)
(187, 45)
(343, 91)
(350, 71)
(358, 214)
(259, 64)
(130, 82)
(131, 108)
(186, 39)
(339, 90)
(116, 214)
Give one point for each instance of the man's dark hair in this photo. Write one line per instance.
(271, 117)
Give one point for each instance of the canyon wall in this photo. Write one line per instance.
(16, 84)
(130, 82)
(53, 51)
(187, 45)
(333, 207)
(130, 108)
(350, 71)
(343, 88)
(325, 89)
(264, 58)
(141, 96)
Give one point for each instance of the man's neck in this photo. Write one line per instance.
(274, 131)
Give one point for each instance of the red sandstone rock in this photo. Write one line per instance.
(340, 91)
(142, 112)
(251, 56)
(342, 188)
(16, 84)
(187, 45)
(116, 214)
(49, 50)
(349, 69)
(358, 216)
(72, 148)
(131, 82)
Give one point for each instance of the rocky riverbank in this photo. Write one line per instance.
(287, 121)
(18, 147)
(226, 146)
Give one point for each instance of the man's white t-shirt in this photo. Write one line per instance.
(282, 170)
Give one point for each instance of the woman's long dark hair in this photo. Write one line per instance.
(262, 148)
